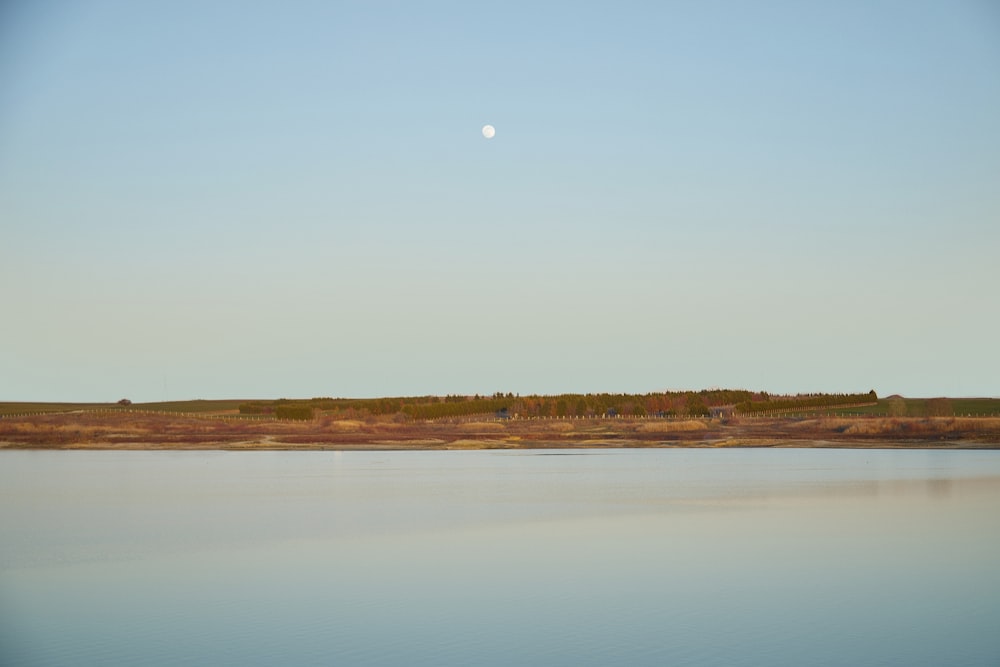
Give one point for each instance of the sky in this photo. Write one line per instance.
(262, 200)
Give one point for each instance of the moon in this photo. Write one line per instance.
(489, 131)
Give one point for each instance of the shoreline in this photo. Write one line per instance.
(488, 446)
(152, 431)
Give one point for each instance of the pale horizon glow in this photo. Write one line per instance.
(216, 201)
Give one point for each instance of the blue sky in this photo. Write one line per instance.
(231, 199)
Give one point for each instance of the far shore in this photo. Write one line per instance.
(151, 431)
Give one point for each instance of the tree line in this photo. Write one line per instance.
(561, 405)
(806, 402)
(659, 404)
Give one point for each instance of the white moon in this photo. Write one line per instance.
(489, 131)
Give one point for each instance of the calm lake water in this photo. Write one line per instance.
(650, 557)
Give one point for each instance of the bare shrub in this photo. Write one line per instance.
(896, 406)
(939, 407)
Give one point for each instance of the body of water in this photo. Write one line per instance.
(633, 557)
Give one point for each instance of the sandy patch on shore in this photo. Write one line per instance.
(744, 442)
(346, 425)
(468, 443)
(426, 442)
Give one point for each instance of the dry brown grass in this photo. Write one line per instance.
(114, 430)
(482, 427)
(901, 427)
(552, 427)
(343, 425)
(672, 426)
(979, 424)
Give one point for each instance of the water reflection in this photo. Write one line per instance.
(642, 558)
(939, 488)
